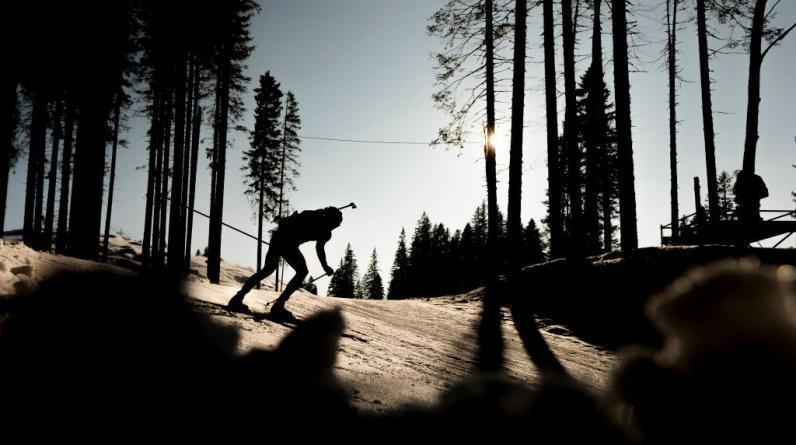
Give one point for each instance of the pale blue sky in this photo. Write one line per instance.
(361, 69)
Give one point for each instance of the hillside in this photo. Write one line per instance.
(393, 352)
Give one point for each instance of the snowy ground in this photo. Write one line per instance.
(392, 352)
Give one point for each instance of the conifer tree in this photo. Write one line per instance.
(344, 280)
(399, 278)
(372, 287)
(261, 160)
(533, 246)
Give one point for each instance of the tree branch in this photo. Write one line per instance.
(777, 40)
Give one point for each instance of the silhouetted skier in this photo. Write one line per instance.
(749, 189)
(292, 231)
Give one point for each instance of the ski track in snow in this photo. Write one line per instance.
(392, 352)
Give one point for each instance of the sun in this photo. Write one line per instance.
(500, 141)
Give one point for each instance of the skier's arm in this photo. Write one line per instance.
(319, 249)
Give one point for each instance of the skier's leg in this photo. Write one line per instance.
(295, 260)
(271, 262)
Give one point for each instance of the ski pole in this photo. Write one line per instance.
(352, 205)
(227, 225)
(317, 278)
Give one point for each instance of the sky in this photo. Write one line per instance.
(362, 69)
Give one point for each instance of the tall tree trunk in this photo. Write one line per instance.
(176, 224)
(38, 138)
(197, 126)
(707, 113)
(186, 164)
(571, 146)
(524, 320)
(554, 218)
(753, 104)
(605, 177)
(164, 181)
(627, 190)
(8, 100)
(152, 183)
(490, 337)
(62, 232)
(47, 237)
(86, 214)
(111, 182)
(596, 158)
(280, 274)
(41, 160)
(671, 48)
(260, 216)
(217, 210)
(517, 118)
(214, 264)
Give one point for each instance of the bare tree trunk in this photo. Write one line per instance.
(152, 189)
(184, 264)
(571, 146)
(523, 318)
(41, 160)
(86, 214)
(260, 216)
(627, 191)
(38, 138)
(554, 218)
(280, 274)
(605, 171)
(62, 232)
(217, 210)
(517, 118)
(671, 49)
(753, 104)
(176, 223)
(595, 147)
(490, 337)
(47, 236)
(164, 181)
(8, 100)
(111, 182)
(197, 127)
(707, 113)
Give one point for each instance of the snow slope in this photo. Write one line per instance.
(392, 352)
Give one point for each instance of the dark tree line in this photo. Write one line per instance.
(438, 261)
(69, 89)
(346, 282)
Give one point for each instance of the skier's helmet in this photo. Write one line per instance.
(334, 217)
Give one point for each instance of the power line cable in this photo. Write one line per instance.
(368, 141)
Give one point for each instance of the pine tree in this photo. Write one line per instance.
(533, 245)
(372, 287)
(595, 112)
(260, 162)
(420, 265)
(344, 280)
(726, 201)
(440, 259)
(399, 278)
(288, 163)
(469, 269)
